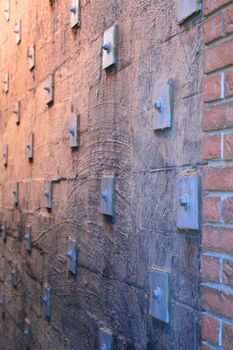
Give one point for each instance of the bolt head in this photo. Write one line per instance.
(70, 254)
(73, 10)
(72, 131)
(157, 293)
(104, 195)
(184, 201)
(106, 47)
(158, 105)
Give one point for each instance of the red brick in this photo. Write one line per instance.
(212, 5)
(210, 328)
(228, 20)
(217, 301)
(212, 88)
(218, 56)
(227, 336)
(228, 210)
(218, 239)
(212, 28)
(212, 147)
(218, 178)
(210, 268)
(218, 117)
(229, 84)
(211, 209)
(228, 147)
(227, 272)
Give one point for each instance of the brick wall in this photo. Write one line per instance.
(217, 237)
(116, 111)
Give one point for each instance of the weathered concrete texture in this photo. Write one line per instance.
(116, 112)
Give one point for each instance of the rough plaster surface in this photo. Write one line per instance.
(116, 113)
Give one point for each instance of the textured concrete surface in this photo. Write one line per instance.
(116, 113)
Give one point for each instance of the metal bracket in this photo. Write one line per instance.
(14, 275)
(75, 13)
(107, 203)
(16, 193)
(7, 10)
(74, 131)
(49, 88)
(46, 300)
(2, 305)
(188, 197)
(5, 83)
(30, 147)
(5, 155)
(188, 8)
(49, 194)
(17, 32)
(27, 334)
(16, 111)
(106, 339)
(28, 238)
(160, 295)
(162, 103)
(31, 57)
(72, 256)
(110, 47)
(3, 231)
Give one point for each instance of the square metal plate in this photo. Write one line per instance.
(74, 131)
(49, 88)
(31, 57)
(7, 10)
(16, 193)
(72, 256)
(14, 275)
(5, 155)
(162, 103)
(3, 231)
(107, 202)
(186, 8)
(16, 111)
(106, 341)
(75, 13)
(5, 83)
(46, 300)
(188, 197)
(110, 39)
(49, 194)
(28, 238)
(27, 334)
(18, 32)
(30, 147)
(160, 295)
(2, 305)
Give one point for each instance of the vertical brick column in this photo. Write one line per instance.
(217, 240)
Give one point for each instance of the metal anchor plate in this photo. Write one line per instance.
(186, 8)
(107, 202)
(72, 256)
(160, 295)
(162, 104)
(188, 198)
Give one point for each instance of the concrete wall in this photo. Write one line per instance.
(116, 110)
